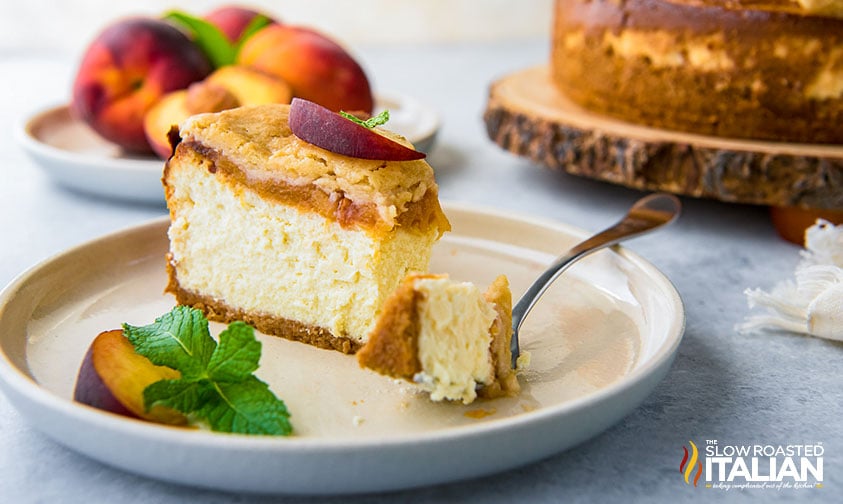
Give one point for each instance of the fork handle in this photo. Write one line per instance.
(647, 214)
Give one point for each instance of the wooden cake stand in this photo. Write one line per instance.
(528, 116)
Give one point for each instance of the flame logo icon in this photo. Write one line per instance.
(687, 466)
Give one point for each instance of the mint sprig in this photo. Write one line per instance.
(217, 383)
(371, 122)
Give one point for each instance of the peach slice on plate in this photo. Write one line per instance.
(113, 378)
(251, 87)
(228, 87)
(170, 111)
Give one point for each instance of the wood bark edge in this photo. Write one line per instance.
(659, 164)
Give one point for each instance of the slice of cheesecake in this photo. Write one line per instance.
(447, 337)
(291, 238)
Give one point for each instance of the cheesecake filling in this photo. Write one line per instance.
(243, 252)
(454, 339)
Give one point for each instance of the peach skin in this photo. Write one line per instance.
(232, 20)
(316, 68)
(125, 70)
(112, 378)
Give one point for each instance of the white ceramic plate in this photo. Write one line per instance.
(601, 339)
(73, 155)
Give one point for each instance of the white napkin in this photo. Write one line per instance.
(814, 303)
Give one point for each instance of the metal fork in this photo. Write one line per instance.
(647, 214)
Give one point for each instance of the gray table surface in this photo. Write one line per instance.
(739, 389)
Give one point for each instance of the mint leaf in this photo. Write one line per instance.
(371, 122)
(247, 407)
(237, 355)
(210, 39)
(179, 340)
(181, 395)
(216, 384)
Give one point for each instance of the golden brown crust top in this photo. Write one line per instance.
(832, 8)
(744, 19)
(257, 140)
(696, 66)
(419, 215)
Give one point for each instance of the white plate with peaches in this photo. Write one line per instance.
(75, 156)
(140, 76)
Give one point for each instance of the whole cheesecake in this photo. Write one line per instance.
(293, 239)
(752, 69)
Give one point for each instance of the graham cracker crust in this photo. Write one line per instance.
(393, 346)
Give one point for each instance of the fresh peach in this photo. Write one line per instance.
(209, 97)
(232, 20)
(315, 67)
(324, 128)
(112, 378)
(227, 87)
(170, 111)
(126, 69)
(175, 107)
(251, 87)
(791, 222)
